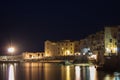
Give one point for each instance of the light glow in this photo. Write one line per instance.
(67, 52)
(93, 56)
(11, 49)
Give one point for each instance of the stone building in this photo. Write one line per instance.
(105, 42)
(111, 40)
(61, 48)
(32, 55)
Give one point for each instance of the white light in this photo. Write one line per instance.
(11, 73)
(108, 50)
(11, 49)
(93, 56)
(115, 49)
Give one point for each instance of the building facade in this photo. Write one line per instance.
(61, 48)
(32, 55)
(111, 40)
(105, 42)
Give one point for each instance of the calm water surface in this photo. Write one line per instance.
(51, 71)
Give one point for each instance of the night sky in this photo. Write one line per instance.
(28, 23)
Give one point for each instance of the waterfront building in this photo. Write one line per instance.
(111, 40)
(118, 40)
(51, 48)
(32, 55)
(61, 48)
(95, 42)
(106, 42)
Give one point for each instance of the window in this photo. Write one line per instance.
(110, 40)
(118, 41)
(119, 29)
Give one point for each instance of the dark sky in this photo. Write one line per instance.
(28, 23)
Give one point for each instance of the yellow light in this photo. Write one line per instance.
(67, 52)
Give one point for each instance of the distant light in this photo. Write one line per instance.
(77, 53)
(93, 56)
(83, 53)
(11, 49)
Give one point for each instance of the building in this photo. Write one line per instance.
(61, 48)
(111, 40)
(32, 55)
(95, 42)
(51, 48)
(118, 40)
(105, 42)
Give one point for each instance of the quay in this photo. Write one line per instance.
(14, 61)
(111, 63)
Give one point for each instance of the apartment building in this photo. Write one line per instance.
(111, 40)
(105, 42)
(61, 48)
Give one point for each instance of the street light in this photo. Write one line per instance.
(11, 49)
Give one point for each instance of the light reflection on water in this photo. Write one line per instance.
(68, 73)
(93, 73)
(11, 72)
(51, 71)
(77, 72)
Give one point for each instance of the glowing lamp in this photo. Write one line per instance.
(11, 50)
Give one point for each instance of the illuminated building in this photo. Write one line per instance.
(111, 40)
(105, 42)
(97, 42)
(61, 48)
(32, 55)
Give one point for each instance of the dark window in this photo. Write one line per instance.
(115, 36)
(118, 41)
(119, 29)
(111, 40)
